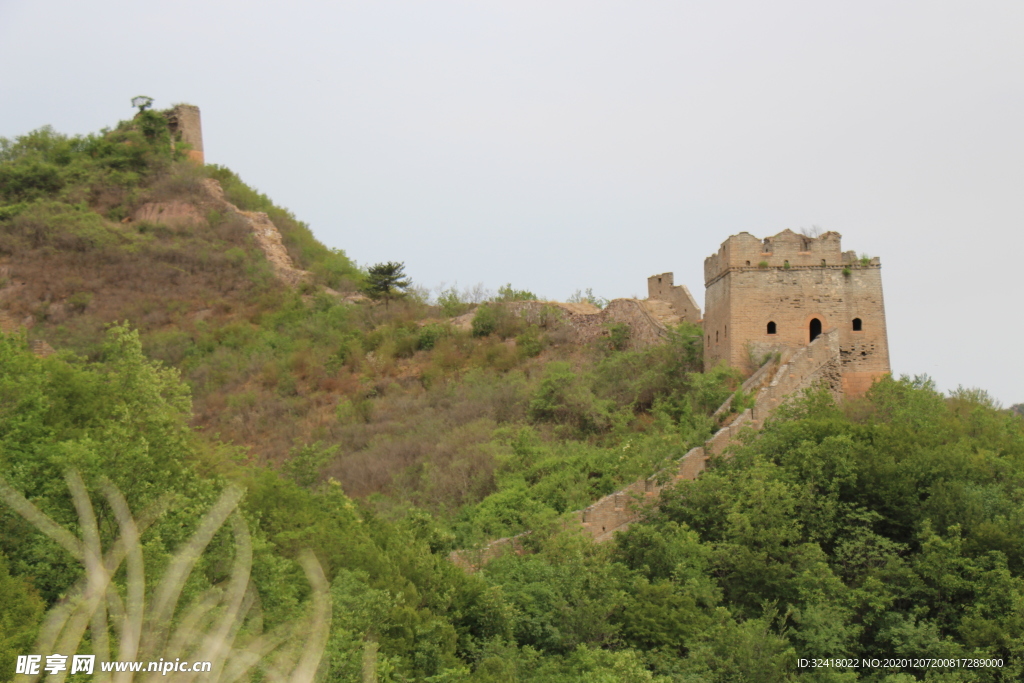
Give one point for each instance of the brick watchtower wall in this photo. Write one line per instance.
(187, 127)
(661, 287)
(772, 294)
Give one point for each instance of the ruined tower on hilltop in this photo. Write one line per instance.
(662, 288)
(782, 292)
(187, 127)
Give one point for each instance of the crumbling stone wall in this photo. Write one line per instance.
(8, 325)
(186, 126)
(586, 323)
(266, 234)
(644, 330)
(774, 384)
(817, 363)
(662, 288)
(471, 560)
(814, 364)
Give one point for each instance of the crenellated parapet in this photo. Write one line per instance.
(781, 292)
(784, 250)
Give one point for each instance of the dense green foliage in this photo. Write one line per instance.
(124, 418)
(891, 525)
(47, 165)
(384, 437)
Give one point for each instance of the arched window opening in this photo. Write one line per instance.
(771, 327)
(726, 333)
(857, 325)
(767, 246)
(748, 263)
(716, 336)
(822, 261)
(815, 328)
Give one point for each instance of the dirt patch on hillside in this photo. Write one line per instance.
(267, 236)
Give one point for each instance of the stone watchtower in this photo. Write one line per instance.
(187, 127)
(782, 292)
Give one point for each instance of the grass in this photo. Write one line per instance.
(293, 651)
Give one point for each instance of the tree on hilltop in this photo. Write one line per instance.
(142, 102)
(387, 281)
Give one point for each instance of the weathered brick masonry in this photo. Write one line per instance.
(767, 295)
(662, 288)
(587, 323)
(186, 126)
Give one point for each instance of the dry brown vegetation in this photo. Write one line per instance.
(391, 399)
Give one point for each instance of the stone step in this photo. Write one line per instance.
(662, 311)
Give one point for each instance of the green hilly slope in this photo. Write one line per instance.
(190, 358)
(384, 399)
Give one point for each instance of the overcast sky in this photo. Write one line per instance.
(565, 145)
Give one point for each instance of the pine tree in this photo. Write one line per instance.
(387, 281)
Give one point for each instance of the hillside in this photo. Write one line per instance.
(277, 357)
(190, 336)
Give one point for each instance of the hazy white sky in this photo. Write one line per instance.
(565, 145)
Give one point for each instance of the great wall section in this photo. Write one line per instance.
(648, 320)
(798, 298)
(780, 379)
(817, 312)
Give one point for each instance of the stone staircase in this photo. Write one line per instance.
(662, 312)
(773, 384)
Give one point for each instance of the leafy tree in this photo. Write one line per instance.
(618, 336)
(451, 302)
(485, 321)
(508, 293)
(588, 297)
(142, 102)
(387, 281)
(563, 398)
(20, 611)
